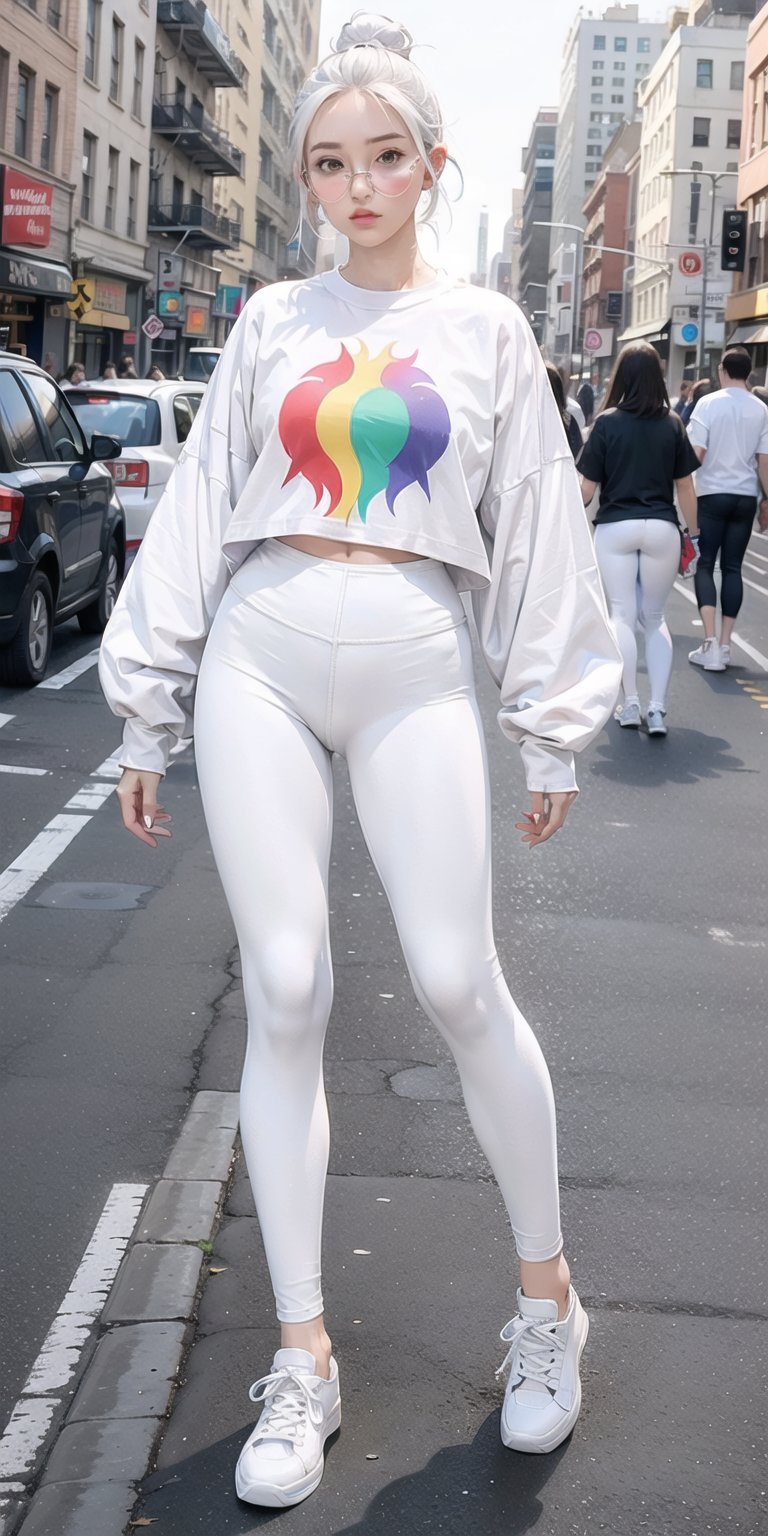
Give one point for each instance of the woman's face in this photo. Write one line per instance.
(355, 132)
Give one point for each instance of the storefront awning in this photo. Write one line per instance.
(646, 332)
(748, 335)
(21, 273)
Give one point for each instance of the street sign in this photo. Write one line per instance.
(153, 327)
(690, 263)
(689, 332)
(82, 297)
(593, 341)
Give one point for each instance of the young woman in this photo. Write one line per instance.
(637, 454)
(570, 424)
(374, 441)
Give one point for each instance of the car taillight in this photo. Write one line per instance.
(11, 508)
(129, 472)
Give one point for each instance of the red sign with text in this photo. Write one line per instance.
(26, 209)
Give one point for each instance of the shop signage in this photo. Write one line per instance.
(690, 263)
(36, 277)
(82, 296)
(26, 209)
(168, 273)
(110, 295)
(153, 327)
(197, 318)
(170, 304)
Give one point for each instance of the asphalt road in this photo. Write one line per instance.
(636, 943)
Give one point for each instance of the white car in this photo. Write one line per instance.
(152, 421)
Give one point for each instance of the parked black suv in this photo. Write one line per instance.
(62, 528)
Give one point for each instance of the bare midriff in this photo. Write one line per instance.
(337, 549)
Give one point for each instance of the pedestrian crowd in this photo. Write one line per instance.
(670, 482)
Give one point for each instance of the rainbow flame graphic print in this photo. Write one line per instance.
(361, 425)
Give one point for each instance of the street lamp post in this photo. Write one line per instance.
(715, 177)
(576, 284)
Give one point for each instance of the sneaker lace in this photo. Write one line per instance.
(289, 1399)
(535, 1353)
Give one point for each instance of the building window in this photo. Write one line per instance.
(270, 29)
(733, 135)
(5, 62)
(619, 45)
(92, 16)
(701, 131)
(50, 117)
(133, 198)
(268, 99)
(89, 171)
(704, 74)
(596, 80)
(265, 163)
(596, 98)
(30, 4)
(138, 77)
(617, 100)
(116, 60)
(618, 65)
(24, 92)
(643, 45)
(599, 43)
(177, 197)
(594, 133)
(262, 234)
(112, 175)
(243, 87)
(737, 74)
(54, 14)
(598, 63)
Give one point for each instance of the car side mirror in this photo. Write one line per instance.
(103, 447)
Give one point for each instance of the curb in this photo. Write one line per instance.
(105, 1446)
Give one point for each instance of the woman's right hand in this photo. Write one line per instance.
(137, 796)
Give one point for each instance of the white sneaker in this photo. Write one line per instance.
(655, 723)
(282, 1461)
(707, 655)
(543, 1395)
(629, 715)
(725, 655)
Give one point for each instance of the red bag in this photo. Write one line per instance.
(689, 555)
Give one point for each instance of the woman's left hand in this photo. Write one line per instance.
(546, 816)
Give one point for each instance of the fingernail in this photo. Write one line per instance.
(148, 823)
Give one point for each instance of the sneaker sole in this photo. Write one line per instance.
(708, 666)
(543, 1446)
(656, 730)
(277, 1496)
(630, 725)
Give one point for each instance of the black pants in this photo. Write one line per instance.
(725, 527)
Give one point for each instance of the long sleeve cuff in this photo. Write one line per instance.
(145, 747)
(548, 770)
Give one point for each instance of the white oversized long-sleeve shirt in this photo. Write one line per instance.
(417, 420)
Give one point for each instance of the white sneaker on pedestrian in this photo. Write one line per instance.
(655, 723)
(543, 1395)
(629, 714)
(707, 655)
(282, 1461)
(725, 655)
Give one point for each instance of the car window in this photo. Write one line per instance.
(184, 412)
(67, 440)
(135, 419)
(17, 424)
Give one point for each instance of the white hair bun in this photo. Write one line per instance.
(367, 29)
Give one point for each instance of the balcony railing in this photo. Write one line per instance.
(194, 132)
(199, 225)
(202, 39)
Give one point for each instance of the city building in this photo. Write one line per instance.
(480, 274)
(605, 236)
(504, 274)
(605, 60)
(692, 106)
(538, 166)
(110, 170)
(193, 57)
(746, 308)
(38, 90)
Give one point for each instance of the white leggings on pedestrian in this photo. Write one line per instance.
(307, 657)
(638, 561)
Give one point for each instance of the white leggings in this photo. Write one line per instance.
(638, 561)
(307, 657)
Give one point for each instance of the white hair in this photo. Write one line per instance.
(371, 54)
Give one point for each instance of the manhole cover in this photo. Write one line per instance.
(90, 894)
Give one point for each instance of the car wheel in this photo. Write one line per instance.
(95, 617)
(24, 662)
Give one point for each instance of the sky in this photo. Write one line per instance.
(491, 75)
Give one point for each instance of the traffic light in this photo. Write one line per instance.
(734, 240)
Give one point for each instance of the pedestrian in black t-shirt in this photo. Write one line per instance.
(637, 452)
(572, 428)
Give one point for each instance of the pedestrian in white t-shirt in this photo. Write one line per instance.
(729, 433)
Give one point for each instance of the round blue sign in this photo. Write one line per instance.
(689, 332)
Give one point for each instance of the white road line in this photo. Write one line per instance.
(34, 772)
(758, 568)
(755, 585)
(63, 1345)
(90, 797)
(36, 858)
(743, 645)
(60, 679)
(110, 768)
(4, 719)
